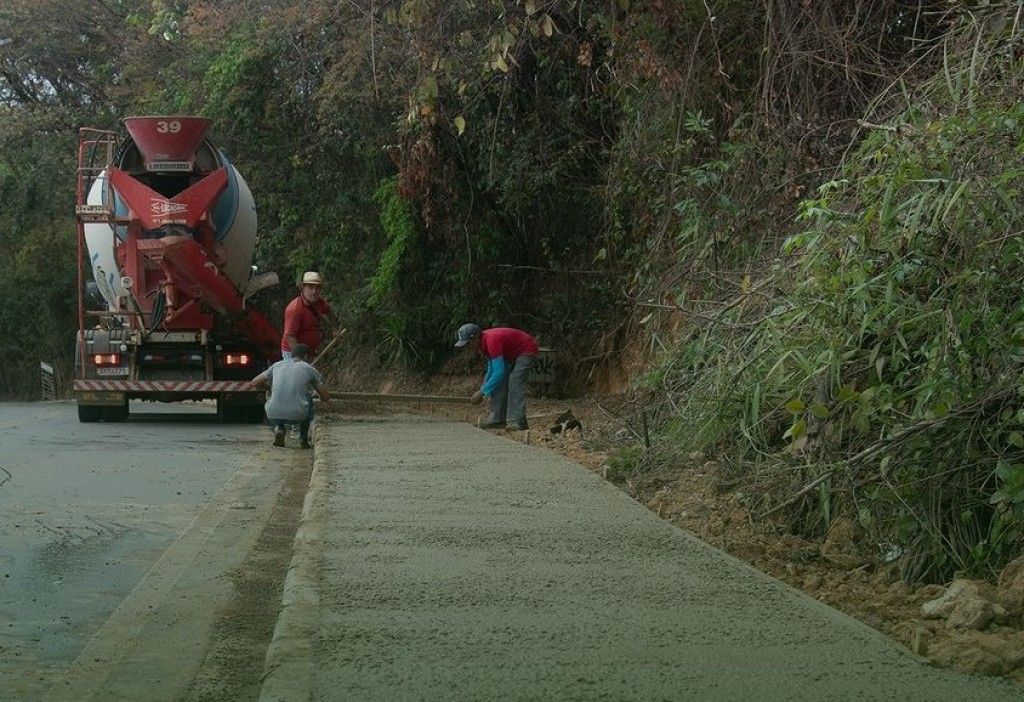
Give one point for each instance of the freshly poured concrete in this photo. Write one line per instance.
(116, 545)
(457, 564)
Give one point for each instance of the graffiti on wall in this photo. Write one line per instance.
(543, 372)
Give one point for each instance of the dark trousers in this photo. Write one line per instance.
(508, 401)
(303, 424)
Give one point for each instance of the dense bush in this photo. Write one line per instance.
(884, 368)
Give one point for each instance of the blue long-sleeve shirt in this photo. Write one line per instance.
(496, 370)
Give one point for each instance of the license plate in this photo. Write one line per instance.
(111, 371)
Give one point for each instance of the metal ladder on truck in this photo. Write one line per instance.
(95, 154)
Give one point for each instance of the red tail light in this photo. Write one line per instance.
(237, 359)
(107, 359)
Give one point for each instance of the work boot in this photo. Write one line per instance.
(520, 425)
(278, 436)
(492, 425)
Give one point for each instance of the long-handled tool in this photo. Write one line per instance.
(381, 397)
(330, 345)
(369, 396)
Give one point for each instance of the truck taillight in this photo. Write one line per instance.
(106, 359)
(237, 359)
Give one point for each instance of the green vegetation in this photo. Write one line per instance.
(879, 361)
(801, 218)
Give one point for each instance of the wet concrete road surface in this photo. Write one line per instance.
(102, 525)
(457, 564)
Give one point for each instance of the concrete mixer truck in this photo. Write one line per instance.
(166, 232)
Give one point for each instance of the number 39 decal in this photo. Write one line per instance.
(172, 127)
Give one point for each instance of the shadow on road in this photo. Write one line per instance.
(171, 418)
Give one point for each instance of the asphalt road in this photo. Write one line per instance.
(100, 523)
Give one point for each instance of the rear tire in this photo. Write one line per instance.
(89, 413)
(231, 414)
(224, 411)
(116, 414)
(239, 413)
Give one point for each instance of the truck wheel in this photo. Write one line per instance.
(229, 414)
(239, 414)
(89, 413)
(116, 414)
(223, 411)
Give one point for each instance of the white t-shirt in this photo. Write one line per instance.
(291, 388)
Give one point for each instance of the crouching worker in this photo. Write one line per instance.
(292, 382)
(510, 355)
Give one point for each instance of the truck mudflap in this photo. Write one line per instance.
(165, 385)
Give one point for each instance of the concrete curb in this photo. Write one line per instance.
(289, 665)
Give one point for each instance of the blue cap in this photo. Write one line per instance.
(467, 332)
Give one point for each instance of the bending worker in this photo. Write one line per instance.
(510, 355)
(303, 315)
(292, 382)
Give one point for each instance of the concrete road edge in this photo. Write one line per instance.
(288, 667)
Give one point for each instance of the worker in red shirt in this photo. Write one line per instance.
(510, 355)
(303, 315)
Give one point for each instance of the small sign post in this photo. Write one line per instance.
(543, 372)
(48, 381)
